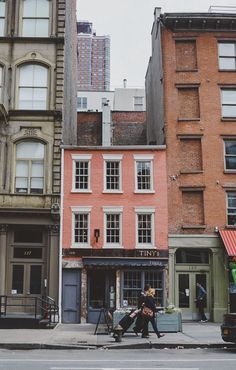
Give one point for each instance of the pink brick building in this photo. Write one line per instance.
(114, 227)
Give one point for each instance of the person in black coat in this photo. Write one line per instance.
(149, 302)
(139, 323)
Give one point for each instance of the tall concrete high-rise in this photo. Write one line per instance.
(93, 59)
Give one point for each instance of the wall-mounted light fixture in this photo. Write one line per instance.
(96, 234)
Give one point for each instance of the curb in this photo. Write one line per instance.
(147, 345)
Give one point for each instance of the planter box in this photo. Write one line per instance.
(166, 322)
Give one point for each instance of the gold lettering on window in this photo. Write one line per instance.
(27, 253)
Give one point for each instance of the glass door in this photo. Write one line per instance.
(187, 293)
(26, 282)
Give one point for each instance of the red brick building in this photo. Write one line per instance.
(191, 106)
(114, 222)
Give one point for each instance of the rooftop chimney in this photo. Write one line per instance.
(106, 125)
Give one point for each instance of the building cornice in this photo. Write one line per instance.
(117, 147)
(199, 21)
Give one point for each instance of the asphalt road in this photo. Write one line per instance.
(165, 359)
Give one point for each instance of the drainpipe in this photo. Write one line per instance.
(60, 243)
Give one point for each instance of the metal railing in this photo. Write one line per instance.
(39, 308)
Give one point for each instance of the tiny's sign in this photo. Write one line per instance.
(138, 253)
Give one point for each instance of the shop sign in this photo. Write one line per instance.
(138, 253)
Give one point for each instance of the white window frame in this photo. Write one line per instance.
(29, 162)
(225, 104)
(144, 158)
(229, 155)
(81, 158)
(83, 105)
(112, 158)
(228, 208)
(3, 18)
(145, 211)
(33, 87)
(22, 18)
(115, 211)
(138, 107)
(81, 211)
(230, 57)
(1, 83)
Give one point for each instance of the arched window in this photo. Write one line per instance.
(33, 87)
(35, 18)
(29, 177)
(2, 17)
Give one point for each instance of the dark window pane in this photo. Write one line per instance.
(201, 279)
(97, 292)
(184, 290)
(24, 234)
(18, 278)
(28, 252)
(231, 163)
(35, 279)
(192, 256)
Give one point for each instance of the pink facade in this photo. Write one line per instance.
(128, 200)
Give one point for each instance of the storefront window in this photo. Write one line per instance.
(134, 282)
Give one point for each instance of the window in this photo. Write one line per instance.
(145, 227)
(18, 278)
(231, 209)
(133, 283)
(33, 87)
(81, 226)
(230, 154)
(199, 256)
(144, 173)
(112, 173)
(29, 176)
(35, 279)
(113, 226)
(1, 69)
(81, 173)
(2, 17)
(82, 103)
(228, 102)
(35, 18)
(138, 103)
(227, 55)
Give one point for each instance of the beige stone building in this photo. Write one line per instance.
(37, 112)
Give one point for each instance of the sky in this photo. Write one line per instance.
(129, 24)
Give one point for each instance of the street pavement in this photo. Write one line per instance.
(81, 336)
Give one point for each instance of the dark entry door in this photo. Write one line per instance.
(24, 285)
(71, 296)
(101, 293)
(187, 293)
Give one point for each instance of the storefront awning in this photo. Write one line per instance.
(112, 261)
(229, 240)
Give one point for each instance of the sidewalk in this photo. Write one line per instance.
(81, 336)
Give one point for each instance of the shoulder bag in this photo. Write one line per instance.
(147, 312)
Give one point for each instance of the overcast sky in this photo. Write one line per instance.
(129, 24)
